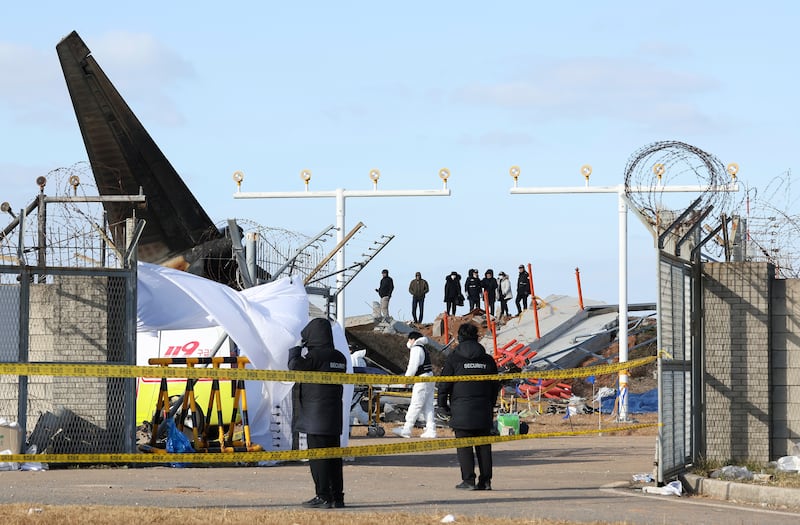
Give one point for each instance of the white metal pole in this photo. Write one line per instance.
(340, 209)
(623, 304)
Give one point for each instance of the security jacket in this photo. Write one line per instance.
(318, 408)
(471, 403)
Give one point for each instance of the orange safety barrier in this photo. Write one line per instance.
(549, 389)
(507, 345)
(508, 355)
(533, 300)
(490, 323)
(517, 353)
(580, 293)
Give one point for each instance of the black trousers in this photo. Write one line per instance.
(474, 302)
(503, 307)
(417, 302)
(521, 298)
(450, 307)
(327, 473)
(466, 457)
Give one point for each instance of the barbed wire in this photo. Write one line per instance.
(674, 163)
(773, 226)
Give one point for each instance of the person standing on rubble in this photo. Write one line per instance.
(419, 365)
(523, 290)
(318, 410)
(503, 293)
(489, 285)
(418, 288)
(385, 289)
(472, 286)
(471, 405)
(452, 293)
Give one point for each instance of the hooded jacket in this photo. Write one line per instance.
(471, 403)
(504, 288)
(318, 408)
(489, 284)
(452, 288)
(523, 285)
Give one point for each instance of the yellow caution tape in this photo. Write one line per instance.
(406, 447)
(292, 376)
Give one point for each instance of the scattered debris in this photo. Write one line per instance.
(673, 488)
(788, 464)
(732, 472)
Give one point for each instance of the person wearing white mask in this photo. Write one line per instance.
(419, 364)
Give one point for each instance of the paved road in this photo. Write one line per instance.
(579, 478)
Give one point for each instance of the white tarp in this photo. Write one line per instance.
(264, 321)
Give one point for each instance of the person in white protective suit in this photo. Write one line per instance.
(419, 364)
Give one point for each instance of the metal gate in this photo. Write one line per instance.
(676, 365)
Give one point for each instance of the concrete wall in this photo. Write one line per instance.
(736, 338)
(785, 394)
(69, 323)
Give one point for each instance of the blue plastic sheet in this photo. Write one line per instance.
(643, 403)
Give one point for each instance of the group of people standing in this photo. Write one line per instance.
(497, 289)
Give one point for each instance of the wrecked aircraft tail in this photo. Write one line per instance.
(124, 159)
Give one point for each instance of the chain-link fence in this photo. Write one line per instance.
(69, 316)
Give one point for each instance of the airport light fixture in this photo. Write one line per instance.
(622, 208)
(341, 195)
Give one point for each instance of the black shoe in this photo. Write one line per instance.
(338, 504)
(317, 503)
(466, 485)
(483, 486)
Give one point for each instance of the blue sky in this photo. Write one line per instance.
(341, 88)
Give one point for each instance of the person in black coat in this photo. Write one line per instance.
(489, 285)
(385, 289)
(471, 405)
(523, 290)
(318, 409)
(472, 286)
(452, 293)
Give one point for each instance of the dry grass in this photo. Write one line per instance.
(24, 514)
(776, 478)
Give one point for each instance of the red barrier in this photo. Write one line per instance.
(533, 300)
(490, 324)
(580, 293)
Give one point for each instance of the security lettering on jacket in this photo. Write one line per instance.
(471, 403)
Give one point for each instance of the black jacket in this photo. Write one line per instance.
(452, 288)
(523, 284)
(473, 288)
(490, 285)
(386, 287)
(319, 407)
(471, 403)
